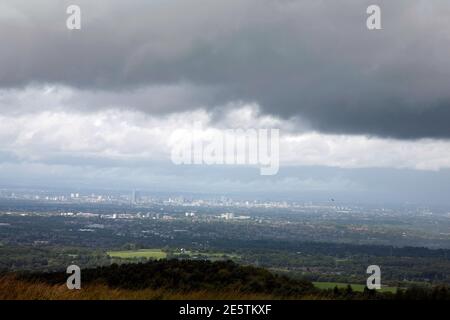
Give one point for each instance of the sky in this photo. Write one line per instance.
(363, 114)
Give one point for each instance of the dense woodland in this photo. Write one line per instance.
(312, 261)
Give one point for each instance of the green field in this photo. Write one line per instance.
(142, 253)
(355, 287)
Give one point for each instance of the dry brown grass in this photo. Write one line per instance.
(12, 288)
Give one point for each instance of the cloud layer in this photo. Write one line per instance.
(128, 138)
(311, 60)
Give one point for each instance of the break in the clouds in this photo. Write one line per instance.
(311, 60)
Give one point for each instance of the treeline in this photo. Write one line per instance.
(414, 293)
(223, 276)
(186, 276)
(331, 249)
(397, 271)
(48, 258)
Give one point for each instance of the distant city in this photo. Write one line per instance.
(136, 202)
(328, 241)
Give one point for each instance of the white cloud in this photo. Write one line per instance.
(359, 151)
(57, 131)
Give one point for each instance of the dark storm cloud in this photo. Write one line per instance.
(309, 59)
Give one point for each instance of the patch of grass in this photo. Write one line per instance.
(355, 287)
(13, 289)
(142, 253)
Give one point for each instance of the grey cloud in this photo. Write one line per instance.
(312, 60)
